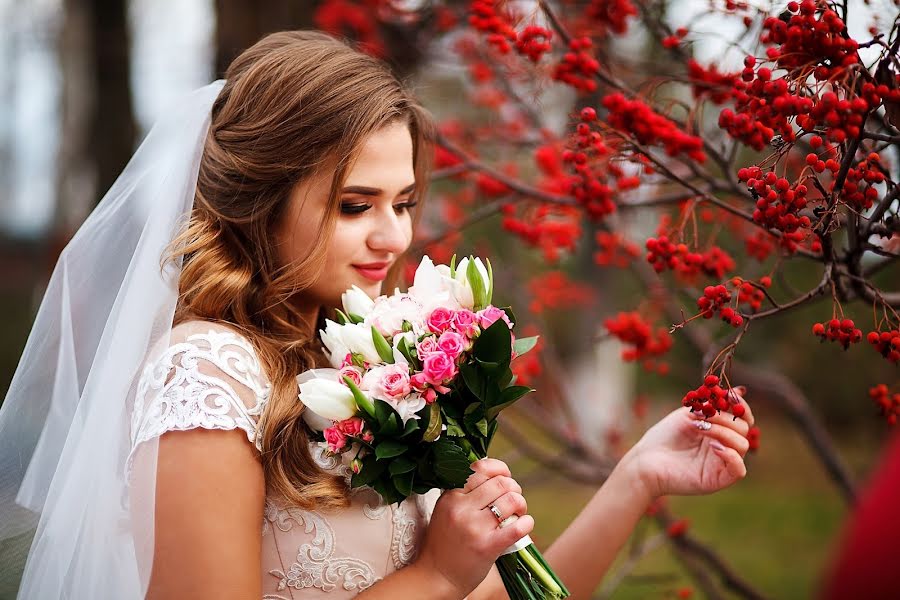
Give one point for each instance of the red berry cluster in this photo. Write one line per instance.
(555, 290)
(708, 82)
(751, 295)
(858, 190)
(888, 404)
(355, 19)
(578, 67)
(552, 228)
(711, 398)
(753, 438)
(843, 332)
(609, 15)
(533, 42)
(777, 203)
(664, 254)
(713, 301)
(590, 187)
(808, 39)
(485, 18)
(614, 250)
(887, 343)
(673, 41)
(643, 343)
(648, 127)
(759, 245)
(761, 107)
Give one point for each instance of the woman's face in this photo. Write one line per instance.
(373, 228)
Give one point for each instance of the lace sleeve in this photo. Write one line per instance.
(208, 377)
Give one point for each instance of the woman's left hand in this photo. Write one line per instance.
(676, 457)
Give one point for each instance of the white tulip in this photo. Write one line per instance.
(433, 287)
(333, 339)
(328, 399)
(462, 277)
(356, 302)
(358, 339)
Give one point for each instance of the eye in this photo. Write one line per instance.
(405, 206)
(353, 209)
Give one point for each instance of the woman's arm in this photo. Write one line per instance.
(210, 496)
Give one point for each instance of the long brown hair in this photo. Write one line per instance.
(294, 104)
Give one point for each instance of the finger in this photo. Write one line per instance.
(510, 503)
(493, 488)
(738, 394)
(734, 464)
(484, 470)
(728, 437)
(726, 420)
(506, 536)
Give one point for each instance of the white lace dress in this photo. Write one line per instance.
(210, 377)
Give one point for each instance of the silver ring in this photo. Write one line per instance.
(704, 425)
(496, 512)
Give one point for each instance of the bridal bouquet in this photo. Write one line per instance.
(418, 380)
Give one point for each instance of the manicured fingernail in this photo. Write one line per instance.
(741, 389)
(716, 445)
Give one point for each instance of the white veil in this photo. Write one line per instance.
(65, 423)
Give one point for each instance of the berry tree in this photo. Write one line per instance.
(797, 165)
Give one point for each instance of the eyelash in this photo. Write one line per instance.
(356, 209)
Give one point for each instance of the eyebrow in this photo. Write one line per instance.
(370, 191)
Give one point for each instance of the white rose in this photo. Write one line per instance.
(328, 399)
(408, 407)
(390, 312)
(356, 302)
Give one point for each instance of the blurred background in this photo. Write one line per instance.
(81, 82)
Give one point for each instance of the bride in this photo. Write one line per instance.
(152, 437)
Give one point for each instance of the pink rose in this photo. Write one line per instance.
(418, 381)
(352, 373)
(440, 319)
(489, 316)
(452, 343)
(438, 368)
(430, 395)
(353, 426)
(465, 322)
(388, 382)
(335, 439)
(426, 347)
(368, 436)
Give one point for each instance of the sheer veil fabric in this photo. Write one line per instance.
(70, 520)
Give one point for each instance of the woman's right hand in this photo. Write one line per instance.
(464, 538)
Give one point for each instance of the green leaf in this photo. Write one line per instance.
(388, 419)
(355, 319)
(389, 449)
(492, 429)
(472, 379)
(433, 431)
(454, 428)
(451, 463)
(453, 267)
(479, 293)
(403, 483)
(382, 347)
(472, 408)
(482, 426)
(412, 426)
(371, 470)
(494, 344)
(342, 319)
(388, 492)
(490, 368)
(408, 353)
(401, 464)
(523, 345)
(361, 399)
(507, 397)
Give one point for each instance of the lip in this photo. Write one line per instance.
(373, 271)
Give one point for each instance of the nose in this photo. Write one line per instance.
(390, 232)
